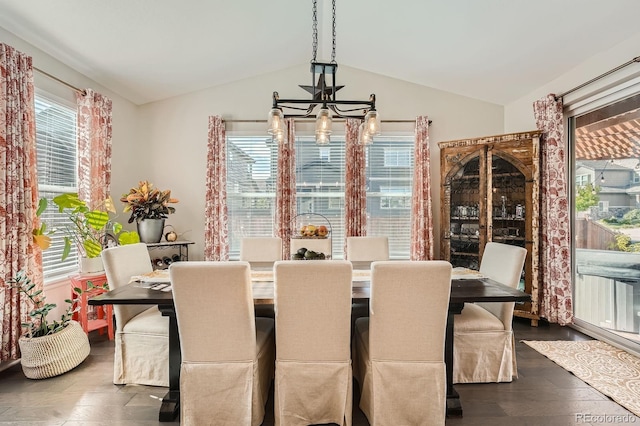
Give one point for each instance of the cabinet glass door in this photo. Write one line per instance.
(508, 199)
(466, 208)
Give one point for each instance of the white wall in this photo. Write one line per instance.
(175, 130)
(518, 116)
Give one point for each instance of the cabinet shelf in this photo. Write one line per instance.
(460, 253)
(472, 219)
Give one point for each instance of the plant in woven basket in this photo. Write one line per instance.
(39, 325)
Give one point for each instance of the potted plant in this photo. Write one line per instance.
(48, 348)
(149, 208)
(90, 230)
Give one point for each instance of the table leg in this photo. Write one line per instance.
(454, 408)
(171, 401)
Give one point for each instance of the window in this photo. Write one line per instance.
(251, 179)
(389, 175)
(56, 150)
(251, 184)
(398, 157)
(583, 180)
(395, 197)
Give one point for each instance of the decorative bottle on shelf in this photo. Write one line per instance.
(519, 211)
(167, 260)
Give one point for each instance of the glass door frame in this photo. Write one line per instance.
(579, 104)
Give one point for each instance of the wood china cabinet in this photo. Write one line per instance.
(490, 192)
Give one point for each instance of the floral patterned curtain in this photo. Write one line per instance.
(421, 207)
(286, 188)
(355, 191)
(94, 147)
(18, 193)
(216, 233)
(557, 305)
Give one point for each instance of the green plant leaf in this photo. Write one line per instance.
(92, 248)
(97, 219)
(128, 237)
(67, 248)
(42, 206)
(68, 200)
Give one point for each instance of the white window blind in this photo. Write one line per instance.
(320, 186)
(251, 179)
(251, 188)
(56, 150)
(389, 185)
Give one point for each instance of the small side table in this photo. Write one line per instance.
(91, 317)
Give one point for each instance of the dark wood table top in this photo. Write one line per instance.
(467, 290)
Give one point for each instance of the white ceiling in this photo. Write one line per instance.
(493, 50)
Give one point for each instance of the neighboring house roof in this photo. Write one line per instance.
(624, 165)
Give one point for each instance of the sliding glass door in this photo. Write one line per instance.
(605, 143)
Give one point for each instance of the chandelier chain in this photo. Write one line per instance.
(333, 35)
(314, 44)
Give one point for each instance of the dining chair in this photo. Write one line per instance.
(142, 333)
(227, 353)
(361, 251)
(399, 349)
(313, 378)
(483, 343)
(261, 253)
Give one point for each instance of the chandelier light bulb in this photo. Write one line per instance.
(372, 122)
(276, 122)
(323, 121)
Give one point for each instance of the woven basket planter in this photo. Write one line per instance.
(55, 354)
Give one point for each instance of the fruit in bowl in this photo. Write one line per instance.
(304, 254)
(322, 231)
(310, 231)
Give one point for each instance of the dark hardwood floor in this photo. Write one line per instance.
(544, 394)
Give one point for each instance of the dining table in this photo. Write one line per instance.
(467, 286)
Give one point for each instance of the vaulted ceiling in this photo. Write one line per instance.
(493, 50)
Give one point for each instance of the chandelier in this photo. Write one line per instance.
(324, 94)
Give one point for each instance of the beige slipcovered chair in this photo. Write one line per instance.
(361, 251)
(142, 333)
(227, 353)
(483, 344)
(399, 349)
(313, 381)
(261, 252)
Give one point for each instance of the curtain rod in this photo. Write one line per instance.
(84, 92)
(618, 68)
(310, 120)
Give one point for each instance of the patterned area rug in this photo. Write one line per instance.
(612, 371)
